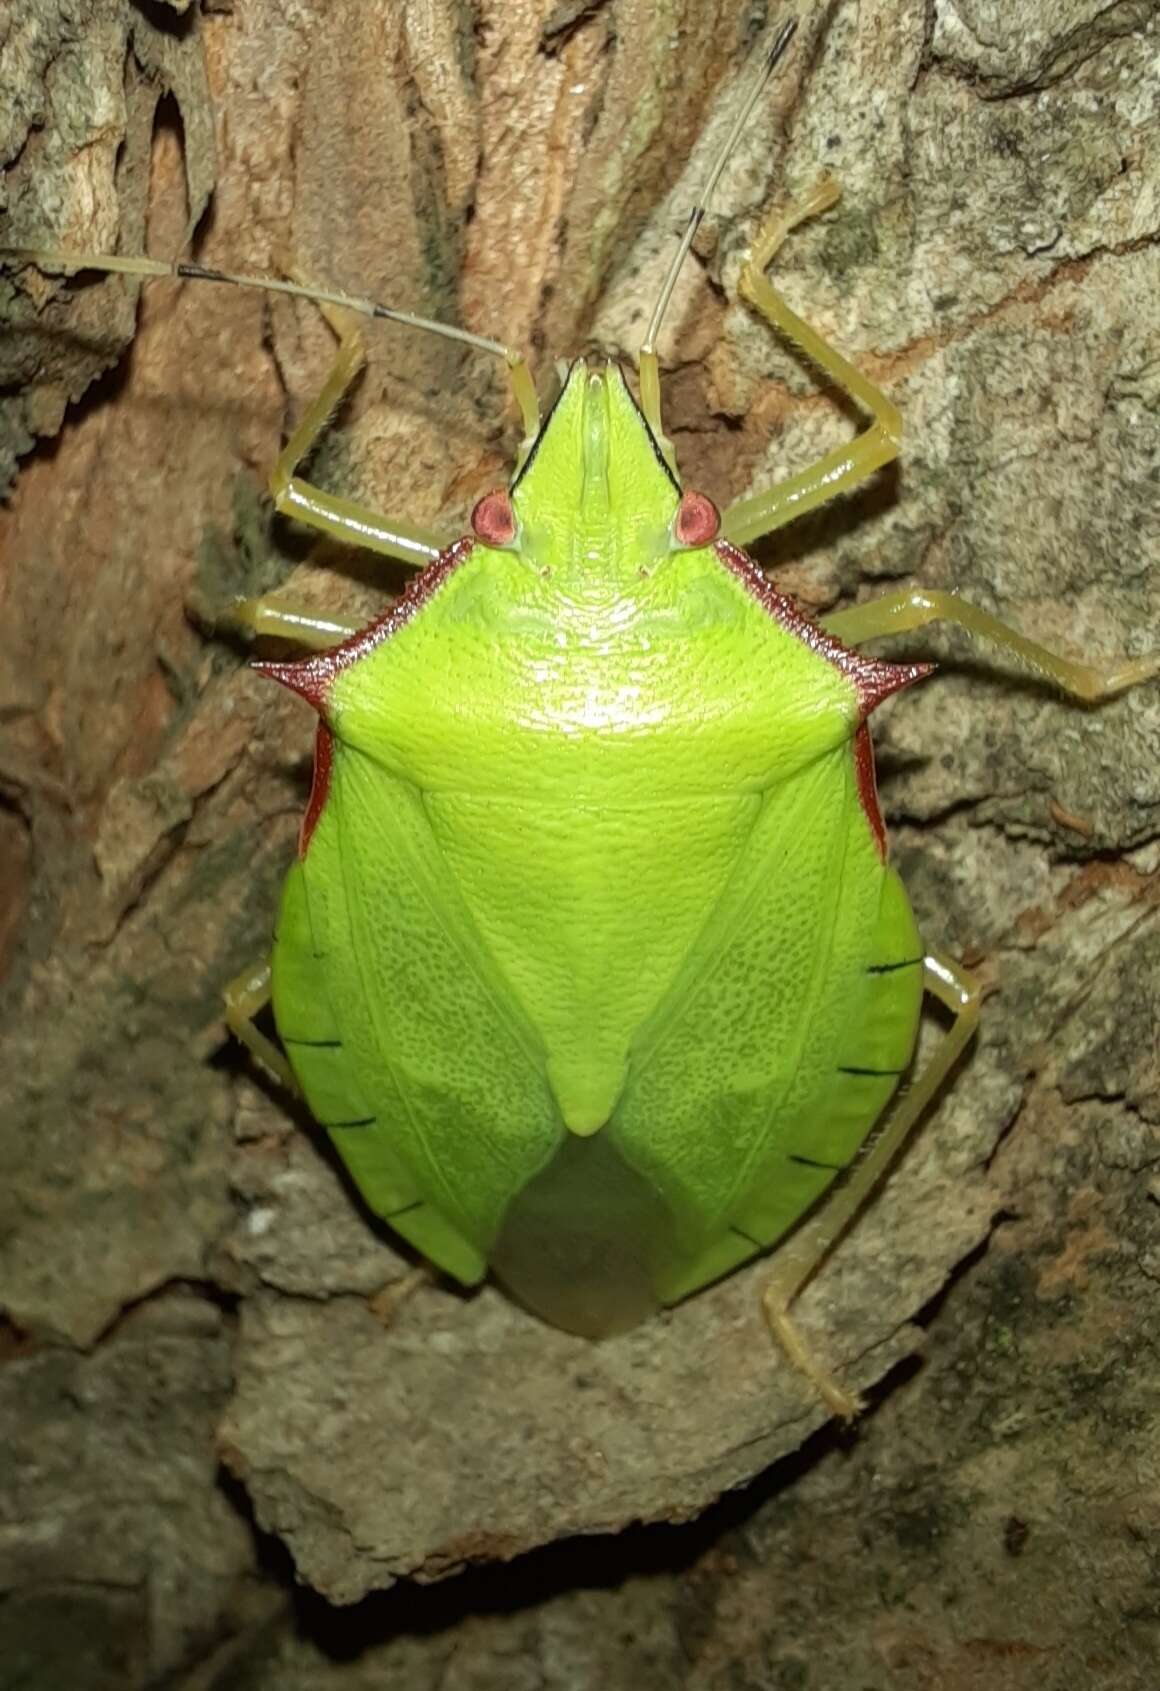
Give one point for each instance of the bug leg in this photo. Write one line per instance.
(245, 998)
(914, 607)
(798, 1259)
(845, 466)
(278, 619)
(344, 519)
(341, 518)
(387, 1302)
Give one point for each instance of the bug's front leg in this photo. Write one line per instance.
(798, 1259)
(845, 466)
(341, 518)
(344, 519)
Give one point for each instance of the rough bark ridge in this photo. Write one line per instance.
(183, 1271)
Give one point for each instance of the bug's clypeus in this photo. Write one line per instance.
(592, 962)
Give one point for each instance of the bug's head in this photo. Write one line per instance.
(595, 495)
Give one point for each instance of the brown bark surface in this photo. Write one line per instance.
(185, 1275)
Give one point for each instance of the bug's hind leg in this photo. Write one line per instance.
(798, 1259)
(246, 997)
(844, 467)
(389, 1299)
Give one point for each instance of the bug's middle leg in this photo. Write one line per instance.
(845, 466)
(280, 619)
(916, 607)
(797, 1260)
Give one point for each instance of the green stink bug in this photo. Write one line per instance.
(584, 1113)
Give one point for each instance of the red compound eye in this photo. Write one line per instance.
(493, 519)
(698, 521)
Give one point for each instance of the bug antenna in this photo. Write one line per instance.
(697, 214)
(12, 258)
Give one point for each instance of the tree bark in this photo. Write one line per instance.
(185, 1273)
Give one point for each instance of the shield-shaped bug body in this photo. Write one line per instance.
(592, 963)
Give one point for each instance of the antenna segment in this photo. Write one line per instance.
(184, 270)
(650, 397)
